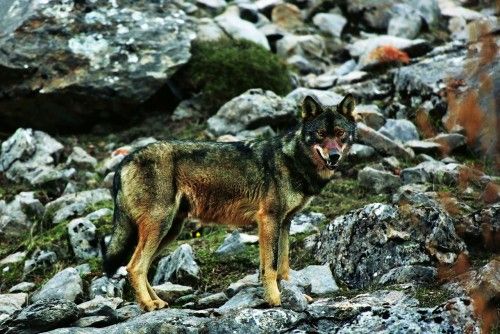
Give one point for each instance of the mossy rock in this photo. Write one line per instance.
(224, 69)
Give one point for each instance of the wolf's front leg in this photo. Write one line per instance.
(283, 251)
(268, 240)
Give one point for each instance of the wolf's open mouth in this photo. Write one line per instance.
(330, 165)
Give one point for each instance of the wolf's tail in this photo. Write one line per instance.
(123, 238)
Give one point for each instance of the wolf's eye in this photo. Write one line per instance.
(321, 133)
(339, 132)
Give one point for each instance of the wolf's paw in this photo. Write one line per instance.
(160, 303)
(151, 305)
(273, 299)
(308, 298)
(284, 276)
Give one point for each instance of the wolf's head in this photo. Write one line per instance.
(328, 131)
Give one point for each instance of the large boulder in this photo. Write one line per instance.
(72, 63)
(367, 243)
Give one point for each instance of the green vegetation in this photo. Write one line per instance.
(429, 296)
(224, 69)
(343, 195)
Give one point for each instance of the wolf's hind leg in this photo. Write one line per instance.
(151, 232)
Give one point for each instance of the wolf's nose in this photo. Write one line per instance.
(334, 157)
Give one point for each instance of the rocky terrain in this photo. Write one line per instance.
(405, 239)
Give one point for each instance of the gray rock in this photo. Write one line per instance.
(292, 297)
(306, 222)
(246, 298)
(17, 217)
(71, 205)
(214, 300)
(11, 302)
(405, 22)
(80, 158)
(179, 266)
(129, 311)
(316, 280)
(188, 109)
(423, 146)
(247, 281)
(106, 287)
(99, 304)
(253, 108)
(370, 115)
(163, 321)
(450, 9)
(388, 312)
(311, 47)
(170, 292)
(409, 274)
(428, 10)
(256, 321)
(352, 77)
(449, 141)
(391, 163)
(214, 5)
(83, 269)
(66, 284)
(361, 152)
(367, 243)
(373, 12)
(330, 23)
(13, 258)
(22, 287)
(83, 238)
(208, 30)
(27, 153)
(100, 63)
(439, 172)
(232, 244)
(381, 142)
(39, 259)
(429, 75)
(237, 28)
(43, 315)
(100, 214)
(377, 180)
(326, 98)
(401, 130)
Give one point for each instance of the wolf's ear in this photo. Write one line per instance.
(346, 106)
(310, 108)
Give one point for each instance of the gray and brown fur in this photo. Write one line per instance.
(265, 182)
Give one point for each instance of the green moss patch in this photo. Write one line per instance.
(224, 69)
(343, 195)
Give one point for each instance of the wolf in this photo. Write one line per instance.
(263, 181)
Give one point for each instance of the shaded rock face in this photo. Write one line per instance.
(41, 316)
(367, 243)
(79, 62)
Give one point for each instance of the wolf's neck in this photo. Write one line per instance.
(302, 169)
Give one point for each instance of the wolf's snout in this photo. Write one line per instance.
(334, 156)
